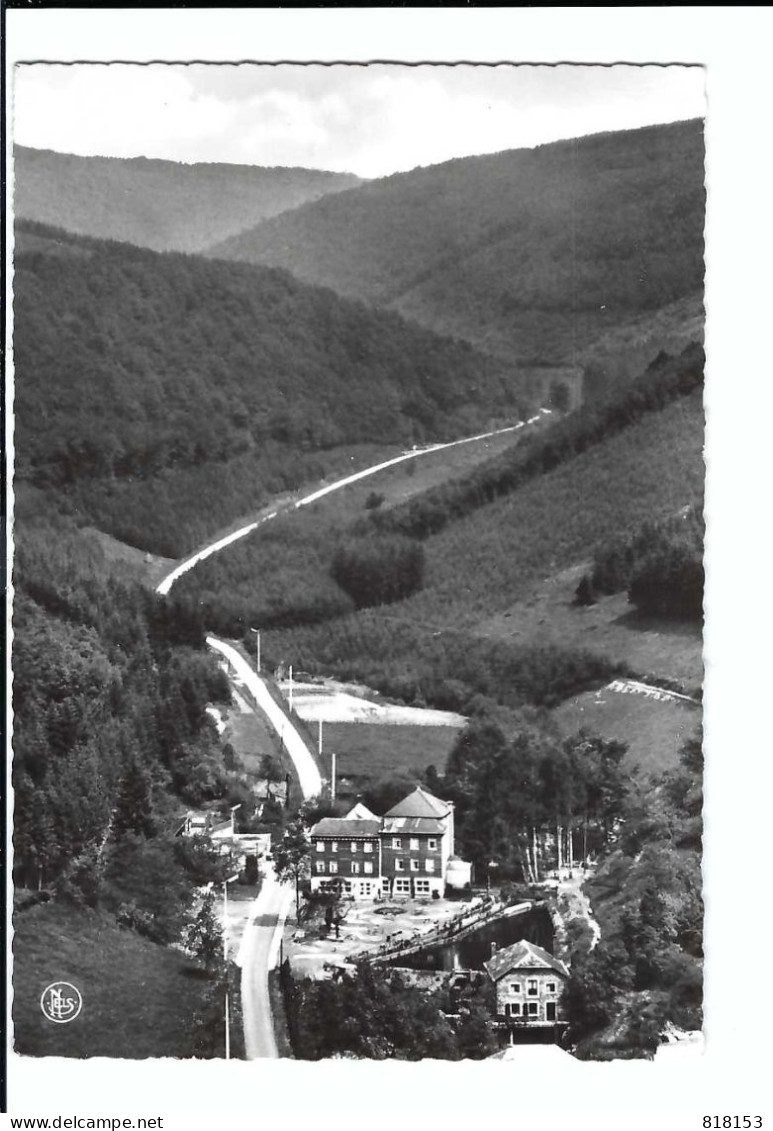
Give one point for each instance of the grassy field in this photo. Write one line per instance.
(494, 556)
(654, 731)
(251, 737)
(367, 753)
(139, 999)
(669, 649)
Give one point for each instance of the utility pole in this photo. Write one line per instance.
(333, 777)
(257, 633)
(291, 688)
(225, 965)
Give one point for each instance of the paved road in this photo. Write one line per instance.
(258, 955)
(306, 768)
(166, 584)
(260, 942)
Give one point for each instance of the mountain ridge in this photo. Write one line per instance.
(152, 202)
(535, 255)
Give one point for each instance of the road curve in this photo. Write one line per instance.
(305, 766)
(166, 584)
(260, 942)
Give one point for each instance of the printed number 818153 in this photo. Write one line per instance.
(732, 1121)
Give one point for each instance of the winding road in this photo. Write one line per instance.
(260, 941)
(259, 947)
(166, 584)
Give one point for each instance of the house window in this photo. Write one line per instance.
(432, 845)
(550, 1011)
(333, 866)
(365, 889)
(515, 987)
(551, 987)
(354, 846)
(334, 846)
(320, 866)
(402, 887)
(396, 842)
(368, 867)
(422, 887)
(414, 865)
(367, 846)
(320, 846)
(399, 865)
(355, 868)
(414, 844)
(429, 865)
(533, 1008)
(532, 987)
(513, 1009)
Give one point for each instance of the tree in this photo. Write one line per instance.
(292, 858)
(204, 936)
(583, 594)
(134, 805)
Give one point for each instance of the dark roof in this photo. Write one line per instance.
(342, 828)
(522, 955)
(404, 825)
(420, 804)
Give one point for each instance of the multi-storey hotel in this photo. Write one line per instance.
(405, 853)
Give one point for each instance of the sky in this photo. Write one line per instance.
(370, 120)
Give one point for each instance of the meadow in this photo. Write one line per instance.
(139, 999)
(653, 731)
(366, 754)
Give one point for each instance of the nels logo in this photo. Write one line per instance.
(61, 1002)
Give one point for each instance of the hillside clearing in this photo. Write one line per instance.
(662, 648)
(653, 731)
(139, 999)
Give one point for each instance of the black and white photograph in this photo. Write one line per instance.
(358, 500)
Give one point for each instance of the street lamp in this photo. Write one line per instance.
(257, 633)
(491, 864)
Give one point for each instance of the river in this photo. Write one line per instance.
(471, 952)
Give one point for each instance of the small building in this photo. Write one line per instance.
(529, 983)
(458, 874)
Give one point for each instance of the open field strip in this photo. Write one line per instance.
(164, 587)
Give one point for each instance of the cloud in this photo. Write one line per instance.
(371, 120)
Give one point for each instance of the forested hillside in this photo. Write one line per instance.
(161, 396)
(482, 543)
(577, 252)
(111, 745)
(165, 205)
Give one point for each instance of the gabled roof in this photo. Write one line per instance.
(522, 955)
(360, 812)
(407, 825)
(420, 803)
(342, 827)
